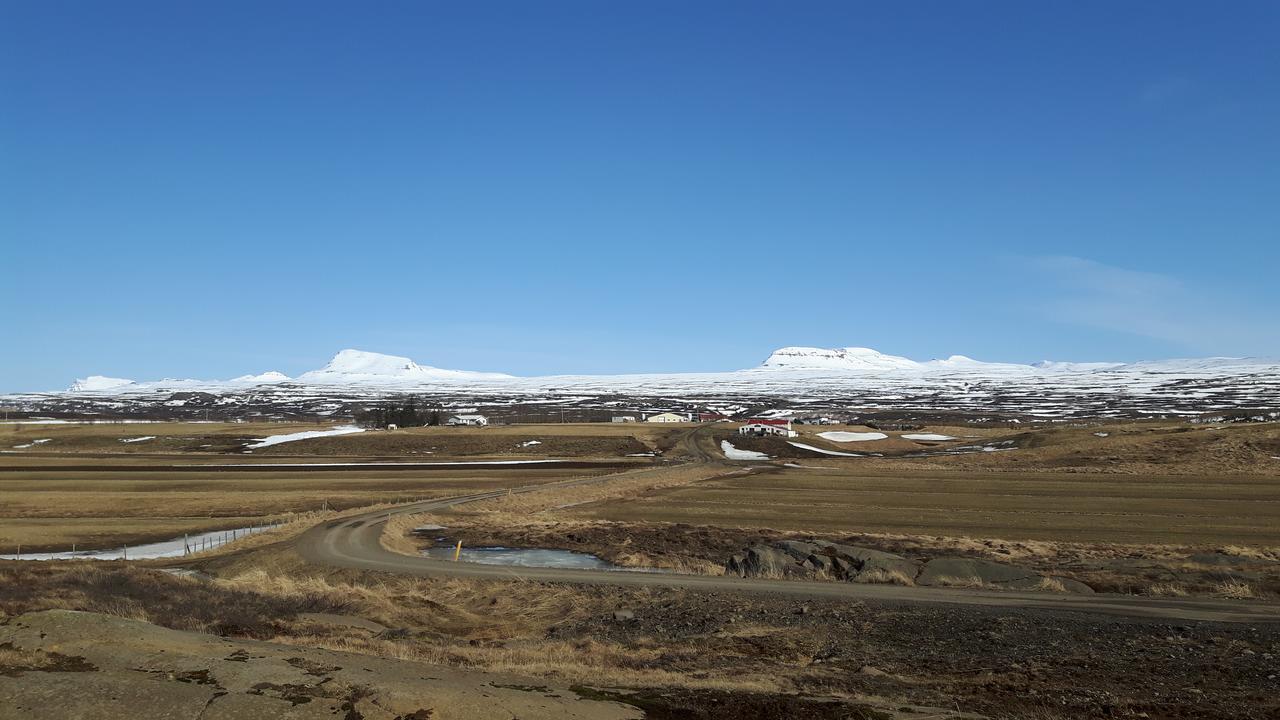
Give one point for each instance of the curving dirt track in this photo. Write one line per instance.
(355, 543)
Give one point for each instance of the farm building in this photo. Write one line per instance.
(711, 417)
(624, 418)
(817, 420)
(667, 417)
(762, 428)
(470, 420)
(767, 426)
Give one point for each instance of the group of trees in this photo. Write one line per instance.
(406, 415)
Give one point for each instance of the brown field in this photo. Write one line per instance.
(51, 509)
(195, 439)
(1075, 507)
(85, 486)
(1136, 448)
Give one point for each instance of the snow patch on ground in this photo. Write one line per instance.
(1102, 434)
(530, 443)
(802, 446)
(837, 436)
(144, 438)
(304, 435)
(734, 453)
(376, 464)
(33, 442)
(928, 436)
(176, 547)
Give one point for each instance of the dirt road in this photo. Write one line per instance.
(355, 543)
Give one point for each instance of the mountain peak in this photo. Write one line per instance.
(269, 376)
(363, 366)
(363, 362)
(849, 358)
(98, 382)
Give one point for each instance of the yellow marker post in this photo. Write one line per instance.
(457, 551)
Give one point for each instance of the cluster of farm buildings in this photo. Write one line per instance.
(751, 426)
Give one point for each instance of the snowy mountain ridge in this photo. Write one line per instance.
(820, 379)
(360, 368)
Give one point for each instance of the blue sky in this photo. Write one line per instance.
(212, 189)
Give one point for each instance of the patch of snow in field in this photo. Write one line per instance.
(734, 453)
(168, 548)
(928, 436)
(144, 438)
(304, 435)
(376, 464)
(1102, 434)
(802, 446)
(54, 421)
(33, 442)
(529, 443)
(836, 436)
(808, 467)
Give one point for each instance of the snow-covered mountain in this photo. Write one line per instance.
(359, 367)
(817, 378)
(851, 359)
(95, 383)
(270, 376)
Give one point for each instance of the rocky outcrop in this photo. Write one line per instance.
(851, 563)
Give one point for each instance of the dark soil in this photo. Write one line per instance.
(998, 662)
(715, 705)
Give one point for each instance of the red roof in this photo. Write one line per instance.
(779, 422)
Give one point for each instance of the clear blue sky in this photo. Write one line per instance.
(211, 189)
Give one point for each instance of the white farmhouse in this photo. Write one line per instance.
(469, 420)
(760, 429)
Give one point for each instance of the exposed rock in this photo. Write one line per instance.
(762, 560)
(948, 570)
(624, 615)
(798, 549)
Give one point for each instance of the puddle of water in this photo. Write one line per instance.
(524, 557)
(529, 557)
(176, 547)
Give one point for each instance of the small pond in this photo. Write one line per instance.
(524, 557)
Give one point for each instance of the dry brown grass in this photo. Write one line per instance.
(967, 583)
(1166, 590)
(1235, 590)
(881, 576)
(588, 662)
(1050, 584)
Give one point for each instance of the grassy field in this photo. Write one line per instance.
(225, 439)
(52, 509)
(88, 487)
(1010, 505)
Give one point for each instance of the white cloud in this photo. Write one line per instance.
(1162, 307)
